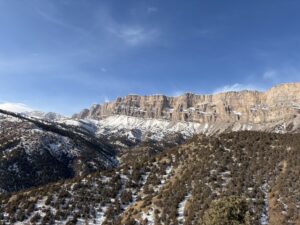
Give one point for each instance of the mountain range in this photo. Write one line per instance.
(191, 159)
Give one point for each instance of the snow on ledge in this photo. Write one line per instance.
(157, 126)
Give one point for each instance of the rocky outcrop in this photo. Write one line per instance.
(280, 103)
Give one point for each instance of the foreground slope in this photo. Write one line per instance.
(178, 186)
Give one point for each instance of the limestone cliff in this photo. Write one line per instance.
(278, 104)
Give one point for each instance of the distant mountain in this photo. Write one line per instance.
(35, 152)
(45, 116)
(276, 110)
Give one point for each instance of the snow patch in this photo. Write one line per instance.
(264, 219)
(181, 208)
(149, 216)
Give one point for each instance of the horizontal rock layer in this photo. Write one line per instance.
(280, 103)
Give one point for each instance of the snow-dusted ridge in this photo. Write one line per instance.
(52, 116)
(140, 129)
(137, 128)
(158, 127)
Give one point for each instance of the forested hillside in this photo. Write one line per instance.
(240, 177)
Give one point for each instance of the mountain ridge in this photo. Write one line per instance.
(279, 104)
(35, 152)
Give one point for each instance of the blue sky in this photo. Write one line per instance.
(64, 55)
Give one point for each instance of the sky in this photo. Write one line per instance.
(65, 55)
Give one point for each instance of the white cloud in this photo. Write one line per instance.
(15, 107)
(235, 87)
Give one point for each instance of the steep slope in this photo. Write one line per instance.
(277, 109)
(182, 185)
(35, 152)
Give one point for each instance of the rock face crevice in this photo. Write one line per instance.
(280, 103)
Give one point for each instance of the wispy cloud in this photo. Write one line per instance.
(15, 107)
(283, 74)
(103, 70)
(152, 9)
(52, 16)
(236, 87)
(134, 35)
(129, 33)
(270, 75)
(27, 63)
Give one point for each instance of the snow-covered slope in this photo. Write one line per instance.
(125, 131)
(137, 129)
(153, 128)
(51, 116)
(35, 152)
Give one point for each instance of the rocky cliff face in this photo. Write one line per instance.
(278, 104)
